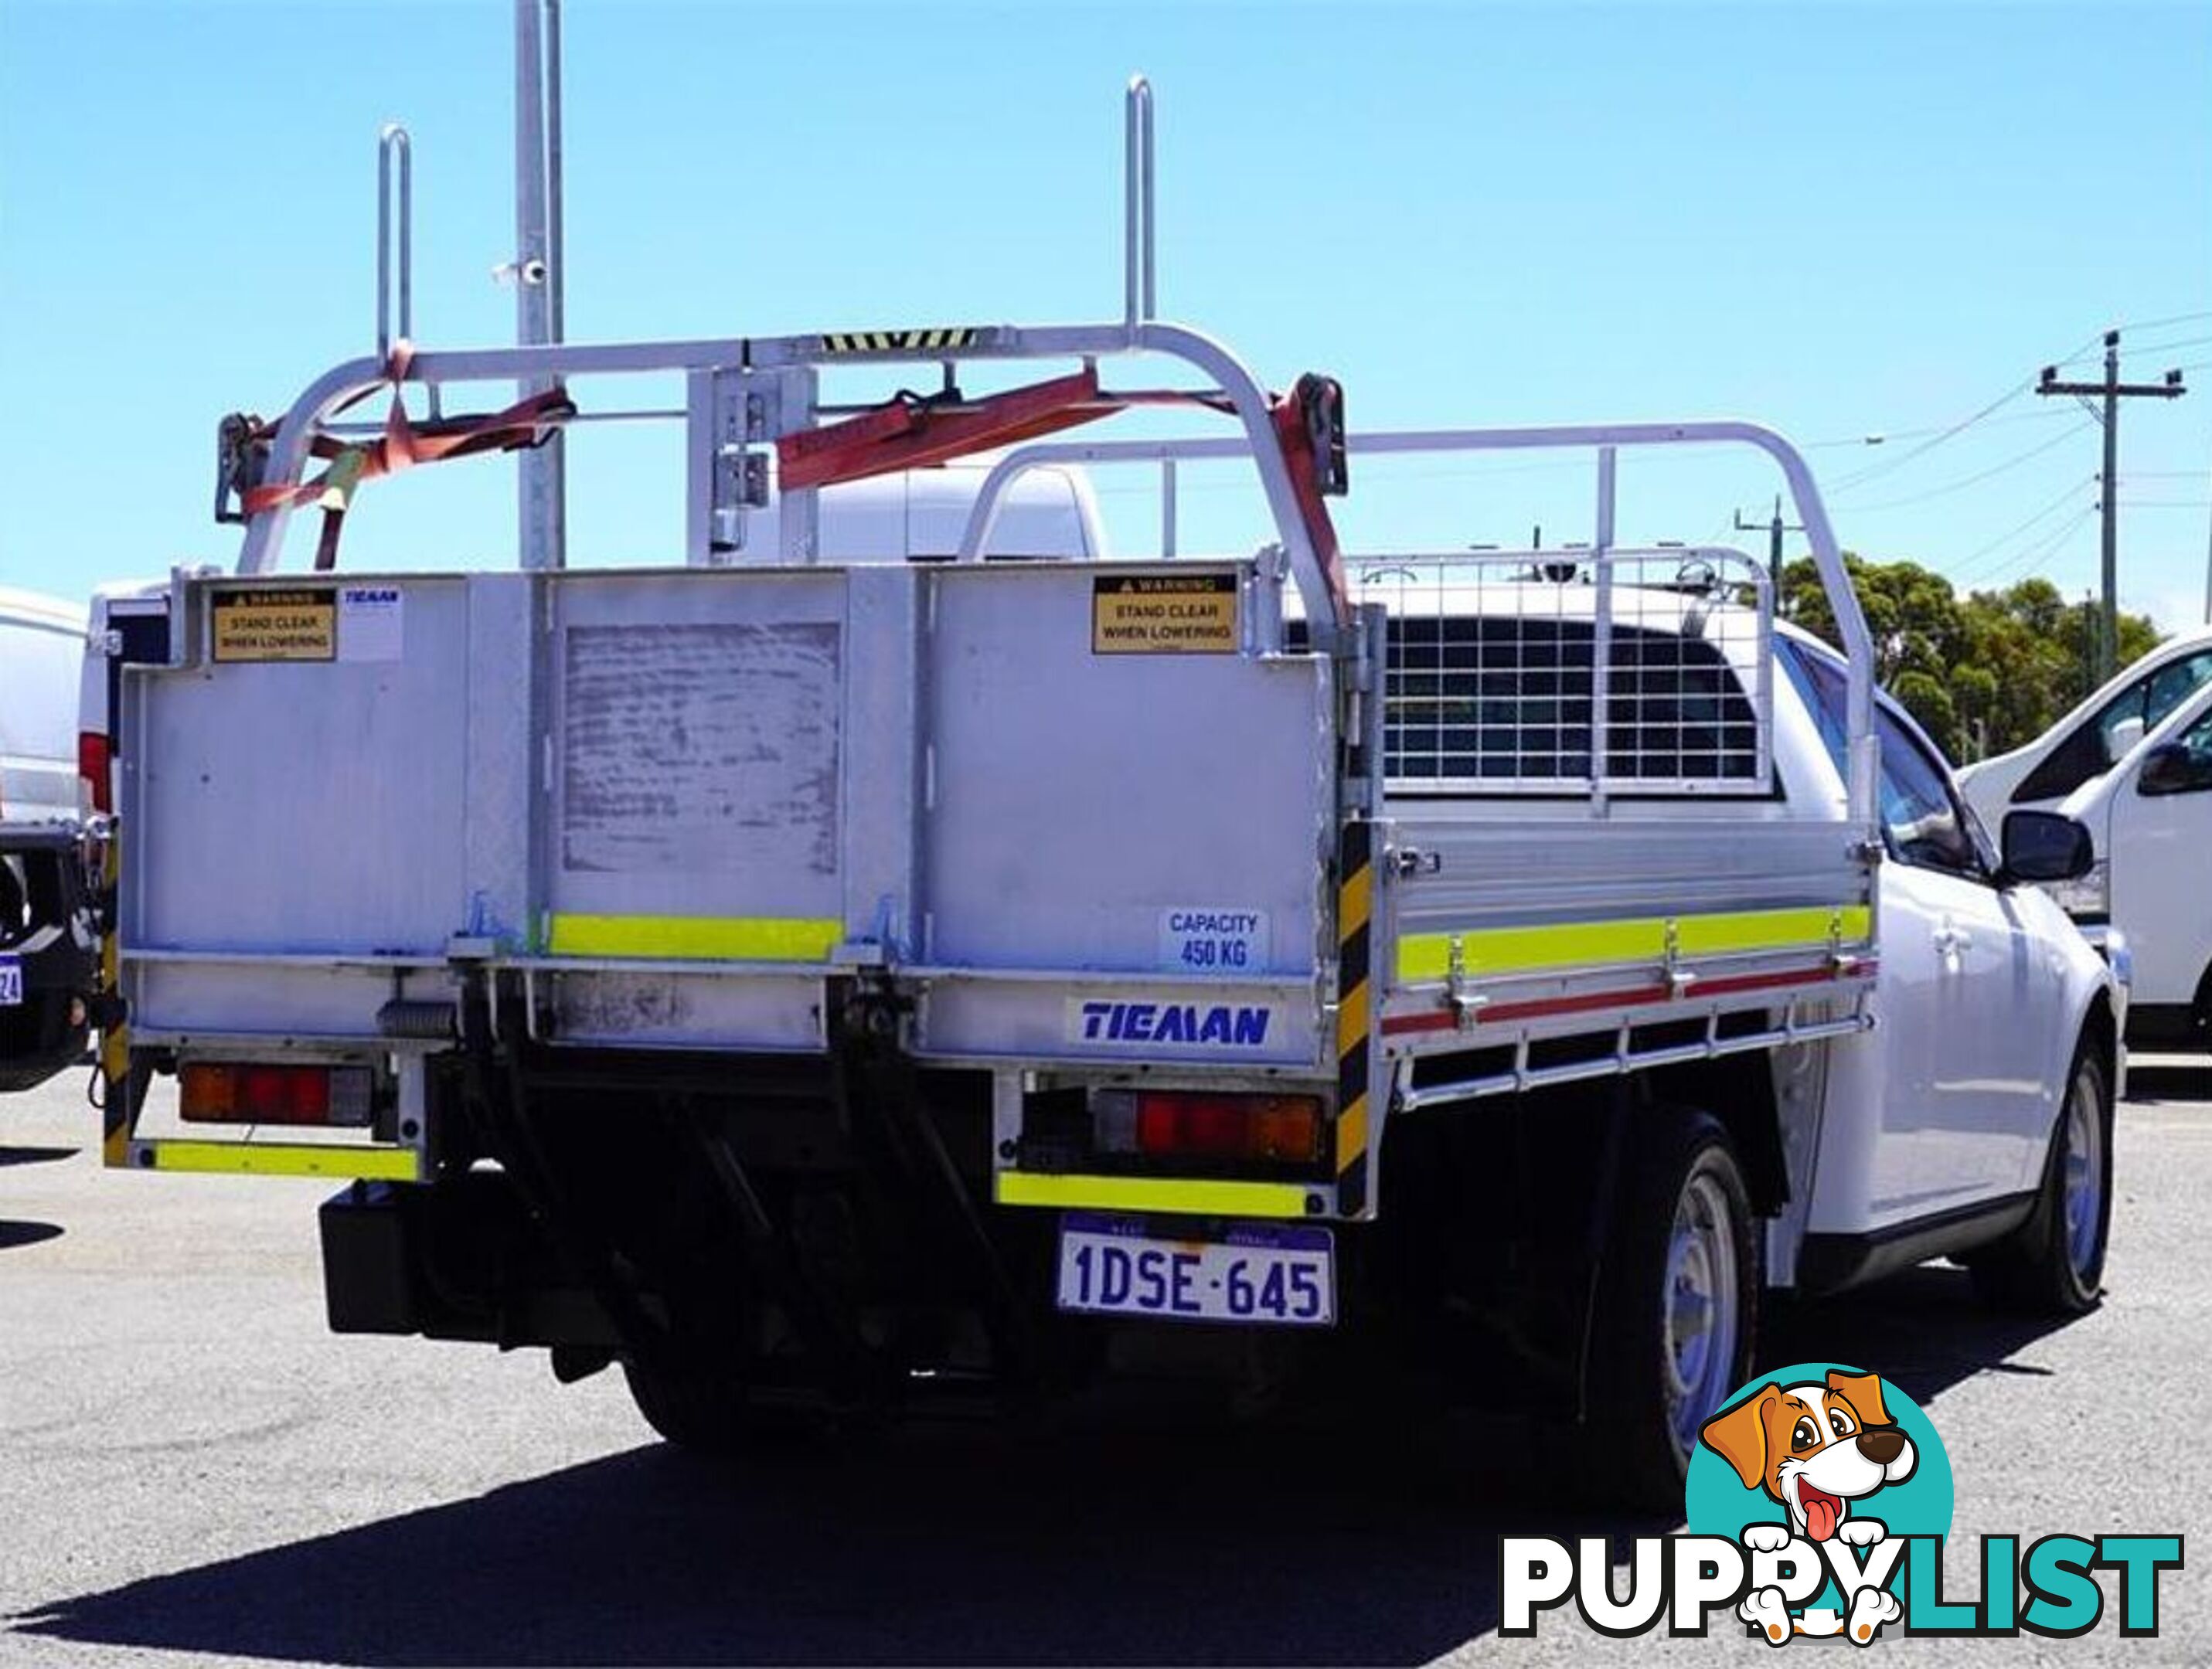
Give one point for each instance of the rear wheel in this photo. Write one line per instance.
(692, 1407)
(1677, 1303)
(2054, 1263)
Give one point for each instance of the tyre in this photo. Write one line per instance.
(710, 1413)
(2054, 1263)
(691, 1407)
(1677, 1305)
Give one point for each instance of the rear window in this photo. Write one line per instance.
(1494, 698)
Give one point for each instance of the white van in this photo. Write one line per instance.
(42, 648)
(48, 944)
(2150, 817)
(2087, 741)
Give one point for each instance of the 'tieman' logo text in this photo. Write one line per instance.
(1207, 1025)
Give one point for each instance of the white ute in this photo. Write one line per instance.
(813, 980)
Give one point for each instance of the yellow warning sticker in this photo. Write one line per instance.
(1193, 614)
(274, 626)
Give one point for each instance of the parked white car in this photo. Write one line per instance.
(2088, 741)
(2151, 888)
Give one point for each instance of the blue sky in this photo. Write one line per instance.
(1841, 220)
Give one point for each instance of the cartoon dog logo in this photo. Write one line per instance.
(1817, 1449)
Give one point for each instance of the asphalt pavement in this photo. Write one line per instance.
(193, 1468)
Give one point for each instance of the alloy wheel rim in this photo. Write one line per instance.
(2083, 1182)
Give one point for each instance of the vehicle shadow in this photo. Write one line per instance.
(2171, 1077)
(13, 1234)
(1348, 1542)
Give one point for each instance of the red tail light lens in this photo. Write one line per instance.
(233, 1092)
(92, 763)
(1274, 1129)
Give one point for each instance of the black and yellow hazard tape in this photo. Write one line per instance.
(1355, 899)
(116, 1112)
(900, 342)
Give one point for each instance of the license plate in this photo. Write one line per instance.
(1257, 1274)
(11, 982)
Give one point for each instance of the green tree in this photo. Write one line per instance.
(1982, 673)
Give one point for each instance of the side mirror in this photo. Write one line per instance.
(2124, 735)
(2172, 767)
(2042, 845)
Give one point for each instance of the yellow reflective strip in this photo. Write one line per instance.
(1770, 930)
(700, 938)
(1351, 1017)
(1524, 950)
(274, 1159)
(1144, 1193)
(1354, 901)
(1351, 1133)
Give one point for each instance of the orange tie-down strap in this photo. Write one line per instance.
(404, 444)
(909, 432)
(1295, 433)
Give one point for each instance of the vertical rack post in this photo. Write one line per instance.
(392, 142)
(1602, 627)
(1139, 295)
(542, 519)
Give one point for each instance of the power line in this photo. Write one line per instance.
(2153, 324)
(1959, 569)
(1946, 433)
(1964, 481)
(1890, 465)
(2038, 549)
(1882, 437)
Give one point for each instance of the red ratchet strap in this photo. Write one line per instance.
(528, 422)
(1296, 439)
(910, 432)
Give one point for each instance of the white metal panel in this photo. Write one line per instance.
(292, 807)
(656, 1008)
(1077, 798)
(502, 680)
(274, 1000)
(698, 745)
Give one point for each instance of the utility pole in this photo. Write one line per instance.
(1775, 530)
(2112, 391)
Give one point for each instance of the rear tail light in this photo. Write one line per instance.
(1174, 1124)
(237, 1092)
(92, 762)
